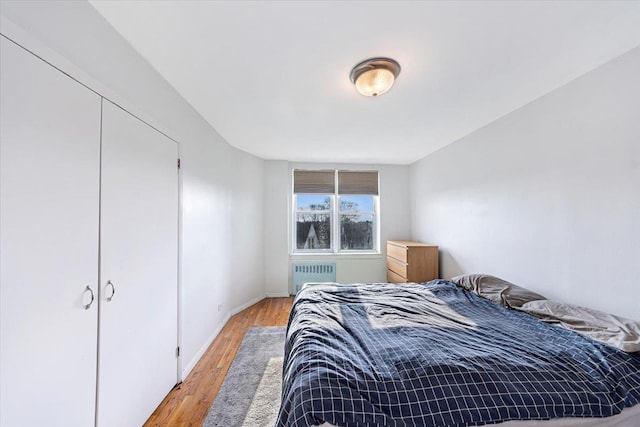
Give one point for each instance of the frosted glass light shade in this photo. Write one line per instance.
(375, 82)
(375, 76)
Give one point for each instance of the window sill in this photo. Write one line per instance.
(361, 255)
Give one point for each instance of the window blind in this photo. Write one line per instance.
(318, 181)
(358, 182)
(323, 181)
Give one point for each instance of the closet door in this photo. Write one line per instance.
(138, 269)
(49, 186)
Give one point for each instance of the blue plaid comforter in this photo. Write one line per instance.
(435, 355)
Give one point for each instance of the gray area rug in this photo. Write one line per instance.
(250, 393)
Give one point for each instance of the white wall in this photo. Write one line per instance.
(547, 196)
(75, 38)
(247, 230)
(394, 224)
(277, 188)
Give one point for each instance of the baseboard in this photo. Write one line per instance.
(277, 295)
(187, 370)
(246, 305)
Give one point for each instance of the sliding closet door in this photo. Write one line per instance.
(49, 187)
(138, 269)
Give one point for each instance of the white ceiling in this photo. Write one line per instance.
(273, 77)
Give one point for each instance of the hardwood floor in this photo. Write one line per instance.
(187, 404)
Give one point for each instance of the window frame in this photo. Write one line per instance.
(335, 215)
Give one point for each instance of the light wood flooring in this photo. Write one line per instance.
(188, 403)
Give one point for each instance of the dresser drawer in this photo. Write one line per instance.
(400, 268)
(411, 261)
(397, 252)
(395, 278)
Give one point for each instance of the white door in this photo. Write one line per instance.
(138, 269)
(49, 186)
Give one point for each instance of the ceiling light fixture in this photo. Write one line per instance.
(375, 76)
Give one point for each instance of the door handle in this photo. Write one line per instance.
(88, 305)
(113, 290)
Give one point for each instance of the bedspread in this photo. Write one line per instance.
(433, 354)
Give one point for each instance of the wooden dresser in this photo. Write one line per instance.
(411, 262)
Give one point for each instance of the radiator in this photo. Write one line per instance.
(312, 272)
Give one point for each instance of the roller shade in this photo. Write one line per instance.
(358, 182)
(318, 181)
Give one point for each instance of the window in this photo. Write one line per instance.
(313, 221)
(335, 211)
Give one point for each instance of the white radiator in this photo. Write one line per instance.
(312, 272)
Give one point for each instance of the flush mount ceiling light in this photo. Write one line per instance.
(375, 76)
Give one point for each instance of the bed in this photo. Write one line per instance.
(436, 354)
